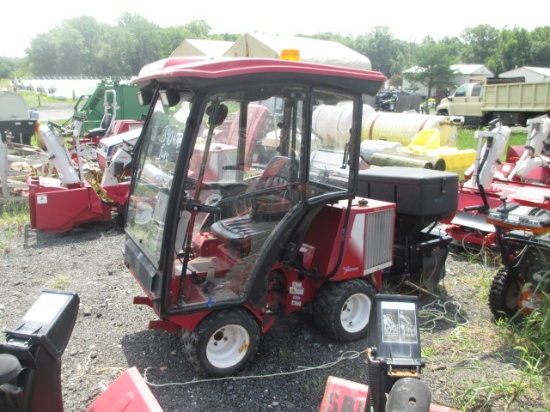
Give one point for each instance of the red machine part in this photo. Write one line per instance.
(344, 395)
(468, 232)
(129, 392)
(57, 208)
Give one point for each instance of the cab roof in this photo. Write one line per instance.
(198, 70)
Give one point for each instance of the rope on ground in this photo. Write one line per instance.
(449, 311)
(348, 355)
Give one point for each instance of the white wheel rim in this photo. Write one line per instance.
(355, 313)
(227, 346)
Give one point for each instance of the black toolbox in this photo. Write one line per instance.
(427, 194)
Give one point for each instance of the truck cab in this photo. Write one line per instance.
(466, 101)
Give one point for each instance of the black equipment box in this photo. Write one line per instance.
(425, 193)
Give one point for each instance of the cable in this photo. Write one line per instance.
(440, 313)
(348, 355)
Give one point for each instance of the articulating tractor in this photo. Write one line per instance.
(224, 240)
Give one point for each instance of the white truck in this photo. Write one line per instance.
(512, 100)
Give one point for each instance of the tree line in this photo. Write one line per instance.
(82, 46)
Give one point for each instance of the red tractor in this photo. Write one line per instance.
(223, 242)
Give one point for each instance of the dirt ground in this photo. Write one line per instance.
(470, 364)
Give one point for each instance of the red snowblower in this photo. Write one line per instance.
(79, 194)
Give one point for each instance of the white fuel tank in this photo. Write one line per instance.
(333, 123)
(402, 127)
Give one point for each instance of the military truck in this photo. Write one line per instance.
(511, 100)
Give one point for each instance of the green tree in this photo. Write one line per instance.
(345, 40)
(514, 49)
(197, 29)
(7, 68)
(433, 63)
(43, 52)
(386, 53)
(480, 43)
(142, 41)
(70, 49)
(82, 38)
(540, 47)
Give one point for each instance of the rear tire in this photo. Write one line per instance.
(504, 295)
(223, 342)
(342, 309)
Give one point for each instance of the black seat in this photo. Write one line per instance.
(103, 126)
(269, 205)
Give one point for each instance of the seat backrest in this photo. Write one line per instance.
(276, 173)
(106, 121)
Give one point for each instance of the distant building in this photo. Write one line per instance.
(531, 74)
(201, 47)
(464, 74)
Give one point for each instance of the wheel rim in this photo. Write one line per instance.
(355, 313)
(227, 346)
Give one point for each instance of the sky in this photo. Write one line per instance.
(407, 20)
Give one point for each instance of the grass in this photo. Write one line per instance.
(36, 100)
(59, 282)
(466, 139)
(14, 216)
(524, 343)
(315, 385)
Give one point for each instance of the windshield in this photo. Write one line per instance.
(156, 167)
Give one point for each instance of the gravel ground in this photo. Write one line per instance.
(466, 356)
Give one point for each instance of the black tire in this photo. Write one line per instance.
(223, 342)
(504, 295)
(342, 309)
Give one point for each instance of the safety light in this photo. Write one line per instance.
(144, 97)
(290, 54)
(394, 348)
(169, 97)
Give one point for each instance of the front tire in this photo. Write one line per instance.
(504, 295)
(223, 342)
(342, 309)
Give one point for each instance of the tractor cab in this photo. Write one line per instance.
(224, 190)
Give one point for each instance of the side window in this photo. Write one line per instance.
(333, 117)
(461, 91)
(476, 90)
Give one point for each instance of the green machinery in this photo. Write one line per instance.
(112, 99)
